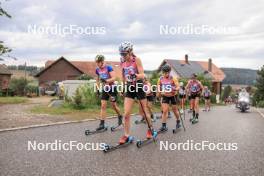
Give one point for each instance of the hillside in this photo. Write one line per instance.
(239, 76)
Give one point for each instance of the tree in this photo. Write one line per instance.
(227, 92)
(3, 49)
(154, 78)
(259, 95)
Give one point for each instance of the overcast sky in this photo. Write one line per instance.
(240, 45)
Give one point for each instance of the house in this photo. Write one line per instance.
(5, 76)
(185, 68)
(62, 69)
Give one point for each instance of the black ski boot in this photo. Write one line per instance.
(101, 126)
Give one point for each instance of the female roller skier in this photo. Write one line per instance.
(167, 88)
(195, 88)
(106, 77)
(133, 75)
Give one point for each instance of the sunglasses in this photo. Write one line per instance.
(123, 54)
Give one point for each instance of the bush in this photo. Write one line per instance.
(77, 100)
(18, 85)
(227, 91)
(213, 98)
(31, 89)
(261, 104)
(85, 97)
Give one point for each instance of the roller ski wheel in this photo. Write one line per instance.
(140, 143)
(113, 128)
(87, 132)
(175, 130)
(106, 148)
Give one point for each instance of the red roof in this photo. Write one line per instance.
(216, 72)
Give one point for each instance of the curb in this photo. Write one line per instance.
(259, 112)
(53, 124)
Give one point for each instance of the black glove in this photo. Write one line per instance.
(134, 76)
(103, 80)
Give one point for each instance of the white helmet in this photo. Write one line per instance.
(125, 47)
(181, 84)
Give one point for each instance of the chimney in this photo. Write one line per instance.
(210, 65)
(186, 59)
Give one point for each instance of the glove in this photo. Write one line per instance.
(134, 76)
(103, 80)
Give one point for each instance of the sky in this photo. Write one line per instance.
(229, 32)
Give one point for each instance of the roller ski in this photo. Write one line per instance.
(178, 127)
(113, 128)
(151, 137)
(100, 129)
(195, 119)
(193, 116)
(124, 141)
(140, 121)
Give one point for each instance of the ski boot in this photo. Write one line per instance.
(195, 120)
(163, 128)
(126, 139)
(101, 127)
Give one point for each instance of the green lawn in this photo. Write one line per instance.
(92, 112)
(75, 114)
(13, 100)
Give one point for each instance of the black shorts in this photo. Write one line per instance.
(170, 100)
(193, 96)
(182, 96)
(207, 98)
(150, 98)
(113, 94)
(134, 92)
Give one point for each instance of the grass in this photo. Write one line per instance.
(70, 113)
(13, 100)
(93, 112)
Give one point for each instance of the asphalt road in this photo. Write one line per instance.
(222, 124)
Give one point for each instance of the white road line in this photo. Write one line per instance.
(259, 112)
(52, 124)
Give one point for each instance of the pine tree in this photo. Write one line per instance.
(259, 95)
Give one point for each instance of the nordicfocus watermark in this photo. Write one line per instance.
(191, 29)
(63, 30)
(191, 145)
(58, 145)
(132, 88)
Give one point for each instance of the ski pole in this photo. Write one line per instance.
(180, 115)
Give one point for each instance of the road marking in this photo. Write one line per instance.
(259, 112)
(52, 124)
